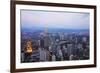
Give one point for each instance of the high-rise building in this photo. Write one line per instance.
(46, 39)
(29, 47)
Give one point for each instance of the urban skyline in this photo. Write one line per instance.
(54, 36)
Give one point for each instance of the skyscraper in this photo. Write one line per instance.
(46, 39)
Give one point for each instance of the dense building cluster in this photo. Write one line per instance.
(59, 46)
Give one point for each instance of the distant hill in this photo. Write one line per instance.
(53, 30)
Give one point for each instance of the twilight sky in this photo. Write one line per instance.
(50, 19)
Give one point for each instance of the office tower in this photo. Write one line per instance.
(29, 47)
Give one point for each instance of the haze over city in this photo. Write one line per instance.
(52, 19)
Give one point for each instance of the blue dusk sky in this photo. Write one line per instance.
(51, 19)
